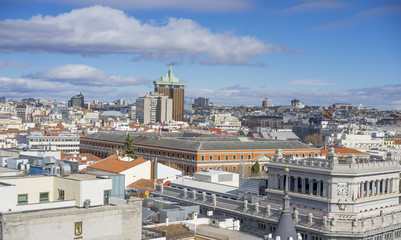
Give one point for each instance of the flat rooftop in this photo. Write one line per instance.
(206, 186)
(6, 170)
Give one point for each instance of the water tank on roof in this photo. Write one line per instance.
(65, 168)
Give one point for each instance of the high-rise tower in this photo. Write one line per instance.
(170, 86)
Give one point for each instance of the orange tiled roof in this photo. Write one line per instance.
(112, 164)
(342, 151)
(174, 231)
(145, 184)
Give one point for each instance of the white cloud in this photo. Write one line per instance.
(17, 88)
(315, 5)
(194, 5)
(102, 30)
(312, 82)
(16, 64)
(78, 74)
(27, 85)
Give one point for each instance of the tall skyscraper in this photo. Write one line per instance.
(77, 101)
(171, 86)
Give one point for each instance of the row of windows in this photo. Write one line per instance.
(44, 197)
(226, 157)
(188, 156)
(23, 198)
(57, 145)
(54, 140)
(104, 145)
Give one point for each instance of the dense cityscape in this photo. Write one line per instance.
(196, 167)
(200, 120)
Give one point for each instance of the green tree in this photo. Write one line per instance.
(255, 168)
(130, 151)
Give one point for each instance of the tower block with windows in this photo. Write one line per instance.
(171, 86)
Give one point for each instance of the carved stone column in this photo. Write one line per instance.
(296, 184)
(310, 186)
(303, 185)
(268, 210)
(310, 218)
(194, 195)
(296, 216)
(184, 192)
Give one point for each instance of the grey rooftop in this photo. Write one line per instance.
(198, 142)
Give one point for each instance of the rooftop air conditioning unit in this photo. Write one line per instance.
(87, 203)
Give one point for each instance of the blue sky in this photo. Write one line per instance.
(232, 51)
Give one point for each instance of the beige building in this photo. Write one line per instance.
(70, 207)
(154, 107)
(226, 122)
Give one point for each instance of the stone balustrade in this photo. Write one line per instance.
(271, 212)
(327, 164)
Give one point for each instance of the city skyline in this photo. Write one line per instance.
(233, 52)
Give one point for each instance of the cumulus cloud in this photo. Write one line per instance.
(194, 5)
(315, 5)
(27, 85)
(312, 82)
(79, 74)
(16, 64)
(102, 30)
(17, 88)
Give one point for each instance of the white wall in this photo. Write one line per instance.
(94, 191)
(164, 171)
(135, 173)
(8, 197)
(33, 186)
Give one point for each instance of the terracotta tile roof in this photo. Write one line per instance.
(145, 184)
(11, 130)
(344, 152)
(174, 231)
(112, 164)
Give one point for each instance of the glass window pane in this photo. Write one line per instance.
(44, 197)
(22, 198)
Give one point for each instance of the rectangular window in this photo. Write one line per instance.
(22, 198)
(106, 199)
(60, 194)
(218, 157)
(234, 157)
(203, 158)
(249, 156)
(44, 196)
